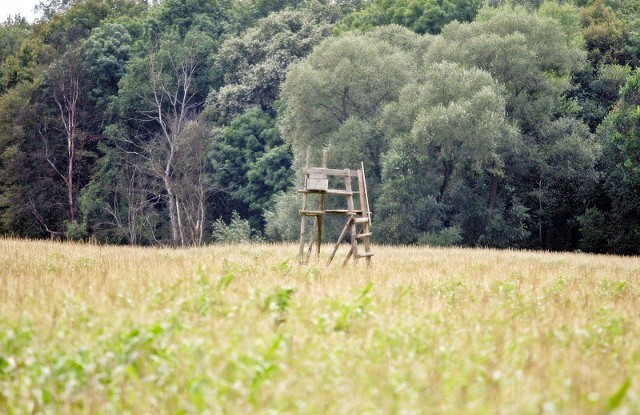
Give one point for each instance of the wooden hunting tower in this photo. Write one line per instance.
(316, 181)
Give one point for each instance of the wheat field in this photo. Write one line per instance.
(243, 329)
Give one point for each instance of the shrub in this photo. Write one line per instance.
(238, 230)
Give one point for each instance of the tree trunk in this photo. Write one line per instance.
(173, 215)
(65, 78)
(70, 169)
(493, 191)
(540, 208)
(447, 172)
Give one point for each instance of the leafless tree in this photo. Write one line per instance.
(173, 103)
(65, 78)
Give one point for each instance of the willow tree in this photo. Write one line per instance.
(450, 139)
(534, 57)
(335, 97)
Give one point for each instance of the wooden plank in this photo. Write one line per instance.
(366, 255)
(319, 184)
(311, 240)
(311, 212)
(330, 172)
(363, 235)
(317, 176)
(339, 192)
(319, 220)
(361, 220)
(342, 212)
(329, 212)
(327, 191)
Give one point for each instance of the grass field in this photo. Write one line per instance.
(244, 330)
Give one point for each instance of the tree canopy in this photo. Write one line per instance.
(509, 124)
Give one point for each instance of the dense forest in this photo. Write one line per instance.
(181, 122)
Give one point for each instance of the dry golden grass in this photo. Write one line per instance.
(243, 329)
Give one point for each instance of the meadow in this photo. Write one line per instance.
(242, 329)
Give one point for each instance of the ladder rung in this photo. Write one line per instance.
(311, 212)
(363, 235)
(329, 192)
(361, 220)
(340, 192)
(329, 212)
(366, 254)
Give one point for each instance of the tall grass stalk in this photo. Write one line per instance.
(242, 329)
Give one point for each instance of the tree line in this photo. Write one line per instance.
(498, 124)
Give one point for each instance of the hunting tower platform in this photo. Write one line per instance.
(316, 181)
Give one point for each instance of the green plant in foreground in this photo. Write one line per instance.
(239, 329)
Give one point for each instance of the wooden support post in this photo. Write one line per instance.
(303, 225)
(354, 241)
(320, 218)
(349, 254)
(342, 234)
(303, 218)
(311, 240)
(364, 207)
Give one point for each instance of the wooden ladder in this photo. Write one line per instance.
(316, 181)
(357, 217)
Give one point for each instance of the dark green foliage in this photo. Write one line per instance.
(421, 16)
(593, 230)
(597, 91)
(450, 140)
(255, 63)
(31, 192)
(106, 51)
(13, 32)
(605, 34)
(182, 16)
(619, 225)
(251, 163)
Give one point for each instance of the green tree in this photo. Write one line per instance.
(596, 91)
(119, 204)
(13, 31)
(339, 90)
(50, 118)
(105, 53)
(183, 16)
(164, 91)
(421, 16)
(569, 17)
(72, 21)
(534, 58)
(618, 220)
(251, 164)
(32, 199)
(255, 63)
(605, 34)
(447, 130)
(335, 99)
